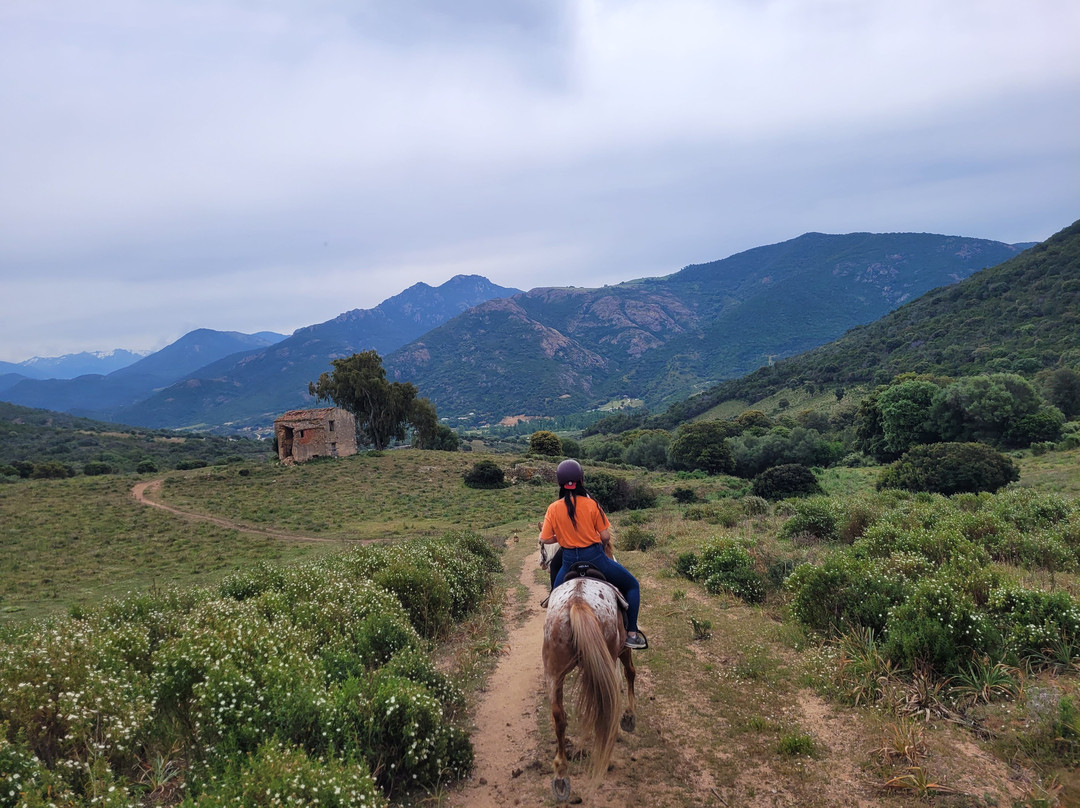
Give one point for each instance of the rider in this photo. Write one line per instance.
(581, 528)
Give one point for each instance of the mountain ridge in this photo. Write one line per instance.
(1020, 316)
(554, 350)
(252, 388)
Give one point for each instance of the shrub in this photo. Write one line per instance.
(726, 513)
(146, 466)
(814, 517)
(679, 493)
(288, 684)
(616, 494)
(97, 467)
(277, 774)
(188, 465)
(755, 506)
(845, 592)
(641, 496)
(790, 480)
(545, 443)
(409, 742)
(634, 538)
(422, 590)
(856, 516)
(485, 474)
(52, 470)
(950, 468)
(724, 566)
(1034, 621)
(938, 626)
(685, 563)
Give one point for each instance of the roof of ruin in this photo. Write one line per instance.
(306, 415)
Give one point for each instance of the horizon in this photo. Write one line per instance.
(249, 168)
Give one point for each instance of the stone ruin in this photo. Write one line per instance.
(325, 432)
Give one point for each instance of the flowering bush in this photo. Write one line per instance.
(724, 565)
(278, 775)
(286, 686)
(815, 517)
(921, 578)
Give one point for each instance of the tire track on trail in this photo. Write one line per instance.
(143, 493)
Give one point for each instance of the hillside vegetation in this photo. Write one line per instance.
(52, 444)
(1022, 316)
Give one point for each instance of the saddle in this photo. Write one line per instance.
(583, 569)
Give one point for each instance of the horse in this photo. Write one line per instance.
(584, 630)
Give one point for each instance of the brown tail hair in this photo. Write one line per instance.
(598, 686)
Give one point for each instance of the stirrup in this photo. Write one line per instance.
(639, 643)
(544, 602)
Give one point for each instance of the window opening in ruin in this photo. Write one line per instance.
(331, 426)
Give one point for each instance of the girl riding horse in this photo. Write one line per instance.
(581, 528)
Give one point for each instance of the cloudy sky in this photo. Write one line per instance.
(258, 165)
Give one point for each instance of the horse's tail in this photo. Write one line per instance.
(598, 686)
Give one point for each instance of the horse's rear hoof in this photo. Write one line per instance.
(561, 788)
(628, 722)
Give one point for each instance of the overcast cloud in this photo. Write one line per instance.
(263, 165)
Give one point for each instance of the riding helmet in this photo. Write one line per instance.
(570, 474)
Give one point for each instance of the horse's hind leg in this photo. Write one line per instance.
(560, 784)
(628, 722)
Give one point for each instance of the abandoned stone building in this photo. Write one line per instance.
(304, 434)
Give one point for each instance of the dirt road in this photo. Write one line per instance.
(146, 493)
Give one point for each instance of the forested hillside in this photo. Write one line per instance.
(1022, 316)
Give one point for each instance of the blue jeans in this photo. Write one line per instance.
(613, 571)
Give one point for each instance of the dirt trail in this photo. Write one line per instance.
(152, 488)
(505, 740)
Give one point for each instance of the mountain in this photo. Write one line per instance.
(96, 394)
(254, 387)
(1020, 316)
(69, 366)
(557, 350)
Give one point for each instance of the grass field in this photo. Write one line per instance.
(739, 698)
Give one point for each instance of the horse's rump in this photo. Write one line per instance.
(598, 693)
(583, 629)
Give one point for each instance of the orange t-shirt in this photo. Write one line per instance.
(590, 518)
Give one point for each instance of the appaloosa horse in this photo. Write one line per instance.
(585, 630)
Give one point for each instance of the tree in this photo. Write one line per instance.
(1061, 387)
(545, 443)
(950, 468)
(905, 414)
(982, 408)
(702, 445)
(358, 384)
(788, 480)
